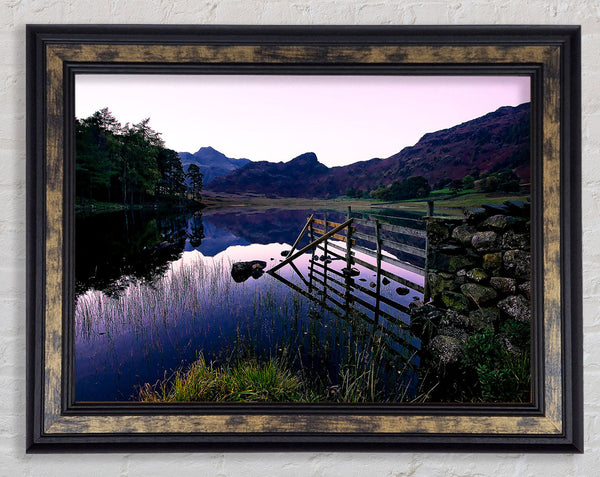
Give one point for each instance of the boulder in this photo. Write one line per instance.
(402, 291)
(484, 318)
(496, 208)
(450, 263)
(517, 263)
(525, 289)
(477, 275)
(512, 240)
(241, 271)
(500, 222)
(464, 234)
(439, 282)
(474, 214)
(516, 307)
(478, 293)
(485, 241)
(437, 231)
(518, 207)
(454, 301)
(503, 285)
(492, 262)
(446, 349)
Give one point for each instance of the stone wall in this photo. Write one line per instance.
(478, 281)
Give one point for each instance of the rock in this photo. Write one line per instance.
(385, 280)
(474, 214)
(484, 241)
(437, 231)
(500, 222)
(518, 207)
(492, 262)
(461, 277)
(516, 307)
(241, 271)
(512, 240)
(454, 332)
(446, 349)
(450, 263)
(362, 279)
(484, 318)
(451, 249)
(451, 319)
(464, 234)
(454, 301)
(503, 284)
(402, 291)
(525, 289)
(351, 272)
(478, 275)
(478, 293)
(372, 285)
(496, 208)
(285, 253)
(439, 282)
(517, 263)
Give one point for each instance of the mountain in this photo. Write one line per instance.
(499, 140)
(211, 162)
(288, 179)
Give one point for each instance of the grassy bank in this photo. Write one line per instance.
(446, 203)
(278, 380)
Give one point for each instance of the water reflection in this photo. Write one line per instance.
(156, 290)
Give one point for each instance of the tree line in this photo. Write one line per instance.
(128, 164)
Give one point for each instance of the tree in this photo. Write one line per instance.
(491, 183)
(195, 177)
(124, 163)
(411, 188)
(468, 182)
(456, 186)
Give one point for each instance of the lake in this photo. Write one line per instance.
(155, 291)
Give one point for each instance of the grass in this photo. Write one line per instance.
(447, 203)
(248, 380)
(244, 382)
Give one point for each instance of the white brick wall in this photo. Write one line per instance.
(14, 14)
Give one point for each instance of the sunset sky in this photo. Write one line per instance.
(343, 119)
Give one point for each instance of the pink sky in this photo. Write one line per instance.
(343, 119)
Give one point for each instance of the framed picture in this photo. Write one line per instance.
(304, 238)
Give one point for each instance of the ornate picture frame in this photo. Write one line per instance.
(549, 55)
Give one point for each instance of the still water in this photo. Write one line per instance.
(155, 291)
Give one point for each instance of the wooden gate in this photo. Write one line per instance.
(355, 241)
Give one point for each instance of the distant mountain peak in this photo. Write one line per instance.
(212, 163)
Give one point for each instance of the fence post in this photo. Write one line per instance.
(426, 290)
(349, 243)
(429, 208)
(312, 258)
(378, 284)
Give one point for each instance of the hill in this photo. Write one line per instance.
(497, 141)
